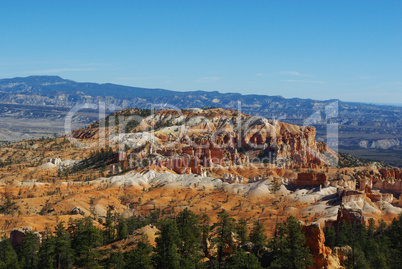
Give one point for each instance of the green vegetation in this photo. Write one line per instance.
(348, 160)
(186, 239)
(135, 122)
(258, 238)
(372, 247)
(8, 257)
(288, 246)
(97, 159)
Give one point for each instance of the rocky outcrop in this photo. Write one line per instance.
(77, 211)
(380, 144)
(308, 180)
(380, 197)
(17, 236)
(395, 173)
(315, 241)
(346, 215)
(342, 252)
(370, 179)
(55, 161)
(357, 198)
(393, 185)
(188, 140)
(349, 215)
(349, 196)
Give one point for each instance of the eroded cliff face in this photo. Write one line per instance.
(196, 140)
(389, 180)
(309, 179)
(207, 138)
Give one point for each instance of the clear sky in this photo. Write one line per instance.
(350, 50)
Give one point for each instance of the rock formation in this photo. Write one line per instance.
(17, 236)
(322, 255)
(199, 139)
(346, 215)
(77, 211)
(311, 180)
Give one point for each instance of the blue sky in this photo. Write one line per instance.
(350, 50)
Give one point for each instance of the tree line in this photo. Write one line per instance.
(371, 246)
(188, 240)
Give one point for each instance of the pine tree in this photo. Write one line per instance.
(356, 259)
(224, 229)
(394, 233)
(29, 250)
(122, 229)
(371, 227)
(166, 256)
(205, 231)
(116, 260)
(374, 256)
(108, 228)
(64, 257)
(288, 246)
(242, 260)
(85, 237)
(8, 257)
(189, 233)
(139, 257)
(356, 237)
(258, 238)
(330, 237)
(344, 235)
(46, 252)
(242, 231)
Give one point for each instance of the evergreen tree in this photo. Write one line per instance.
(133, 223)
(394, 234)
(8, 257)
(85, 238)
(46, 252)
(122, 229)
(64, 256)
(374, 256)
(258, 238)
(108, 228)
(205, 231)
(330, 237)
(242, 231)
(29, 250)
(116, 261)
(242, 260)
(288, 246)
(344, 235)
(139, 257)
(189, 233)
(224, 229)
(166, 256)
(356, 259)
(212, 264)
(355, 235)
(371, 227)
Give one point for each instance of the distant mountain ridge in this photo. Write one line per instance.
(56, 84)
(360, 125)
